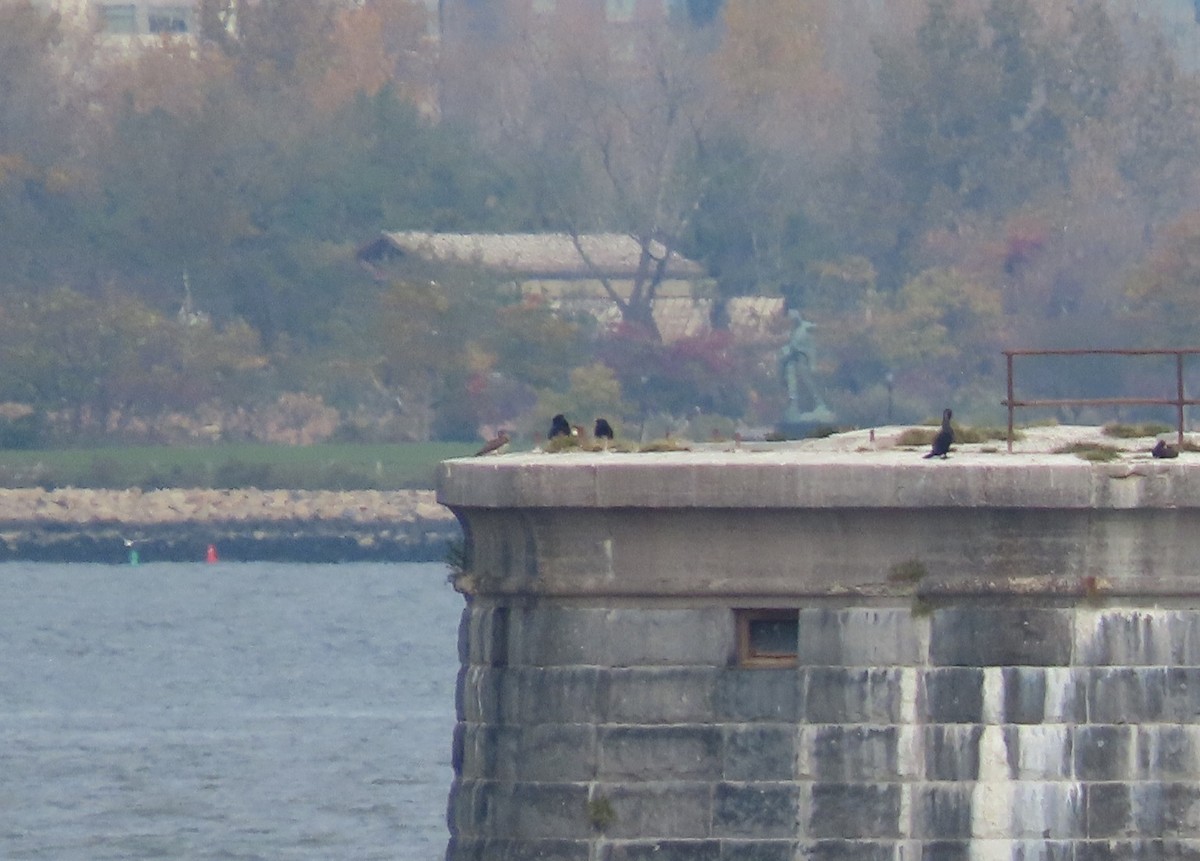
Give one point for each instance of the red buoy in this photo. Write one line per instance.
(211, 555)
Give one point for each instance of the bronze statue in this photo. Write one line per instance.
(796, 361)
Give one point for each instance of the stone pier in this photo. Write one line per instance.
(856, 655)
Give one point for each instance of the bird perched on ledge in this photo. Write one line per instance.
(603, 431)
(1161, 449)
(496, 445)
(559, 427)
(944, 438)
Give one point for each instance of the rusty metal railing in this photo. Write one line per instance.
(1179, 401)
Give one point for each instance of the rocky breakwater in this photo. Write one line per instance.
(178, 525)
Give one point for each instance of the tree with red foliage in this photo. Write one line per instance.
(705, 372)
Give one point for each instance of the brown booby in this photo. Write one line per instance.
(495, 445)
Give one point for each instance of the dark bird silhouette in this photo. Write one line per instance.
(1161, 449)
(495, 445)
(559, 426)
(944, 438)
(603, 430)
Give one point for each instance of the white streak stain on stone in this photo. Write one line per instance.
(1043, 752)
(992, 798)
(905, 815)
(1059, 694)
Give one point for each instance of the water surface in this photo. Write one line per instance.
(231, 711)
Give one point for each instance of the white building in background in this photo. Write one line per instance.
(144, 18)
(131, 18)
(139, 19)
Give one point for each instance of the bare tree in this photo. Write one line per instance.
(644, 140)
(611, 132)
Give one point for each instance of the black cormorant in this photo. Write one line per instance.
(559, 426)
(1161, 449)
(944, 438)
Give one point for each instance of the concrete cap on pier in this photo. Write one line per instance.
(776, 521)
(838, 472)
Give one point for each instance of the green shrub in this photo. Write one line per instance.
(1093, 451)
(917, 437)
(1133, 431)
(660, 445)
(908, 571)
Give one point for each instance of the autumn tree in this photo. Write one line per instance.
(377, 44)
(781, 120)
(1089, 64)
(198, 198)
(605, 136)
(706, 373)
(429, 335)
(773, 80)
(641, 143)
(276, 43)
(536, 345)
(100, 360)
(262, 159)
(1164, 292)
(950, 104)
(1160, 127)
(40, 168)
(327, 50)
(941, 332)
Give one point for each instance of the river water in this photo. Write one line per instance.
(226, 711)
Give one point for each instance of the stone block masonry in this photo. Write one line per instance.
(795, 655)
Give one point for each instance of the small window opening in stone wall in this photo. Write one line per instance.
(170, 19)
(767, 638)
(119, 18)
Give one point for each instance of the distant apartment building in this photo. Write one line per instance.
(456, 21)
(132, 18)
(480, 42)
(151, 19)
(615, 20)
(144, 18)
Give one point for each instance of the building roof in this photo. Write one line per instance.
(531, 255)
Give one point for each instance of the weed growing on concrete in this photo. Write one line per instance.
(456, 560)
(600, 813)
(921, 606)
(665, 445)
(983, 434)
(562, 443)
(908, 571)
(1093, 451)
(1094, 589)
(456, 556)
(923, 436)
(916, 437)
(1133, 431)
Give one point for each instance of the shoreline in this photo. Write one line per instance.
(245, 524)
